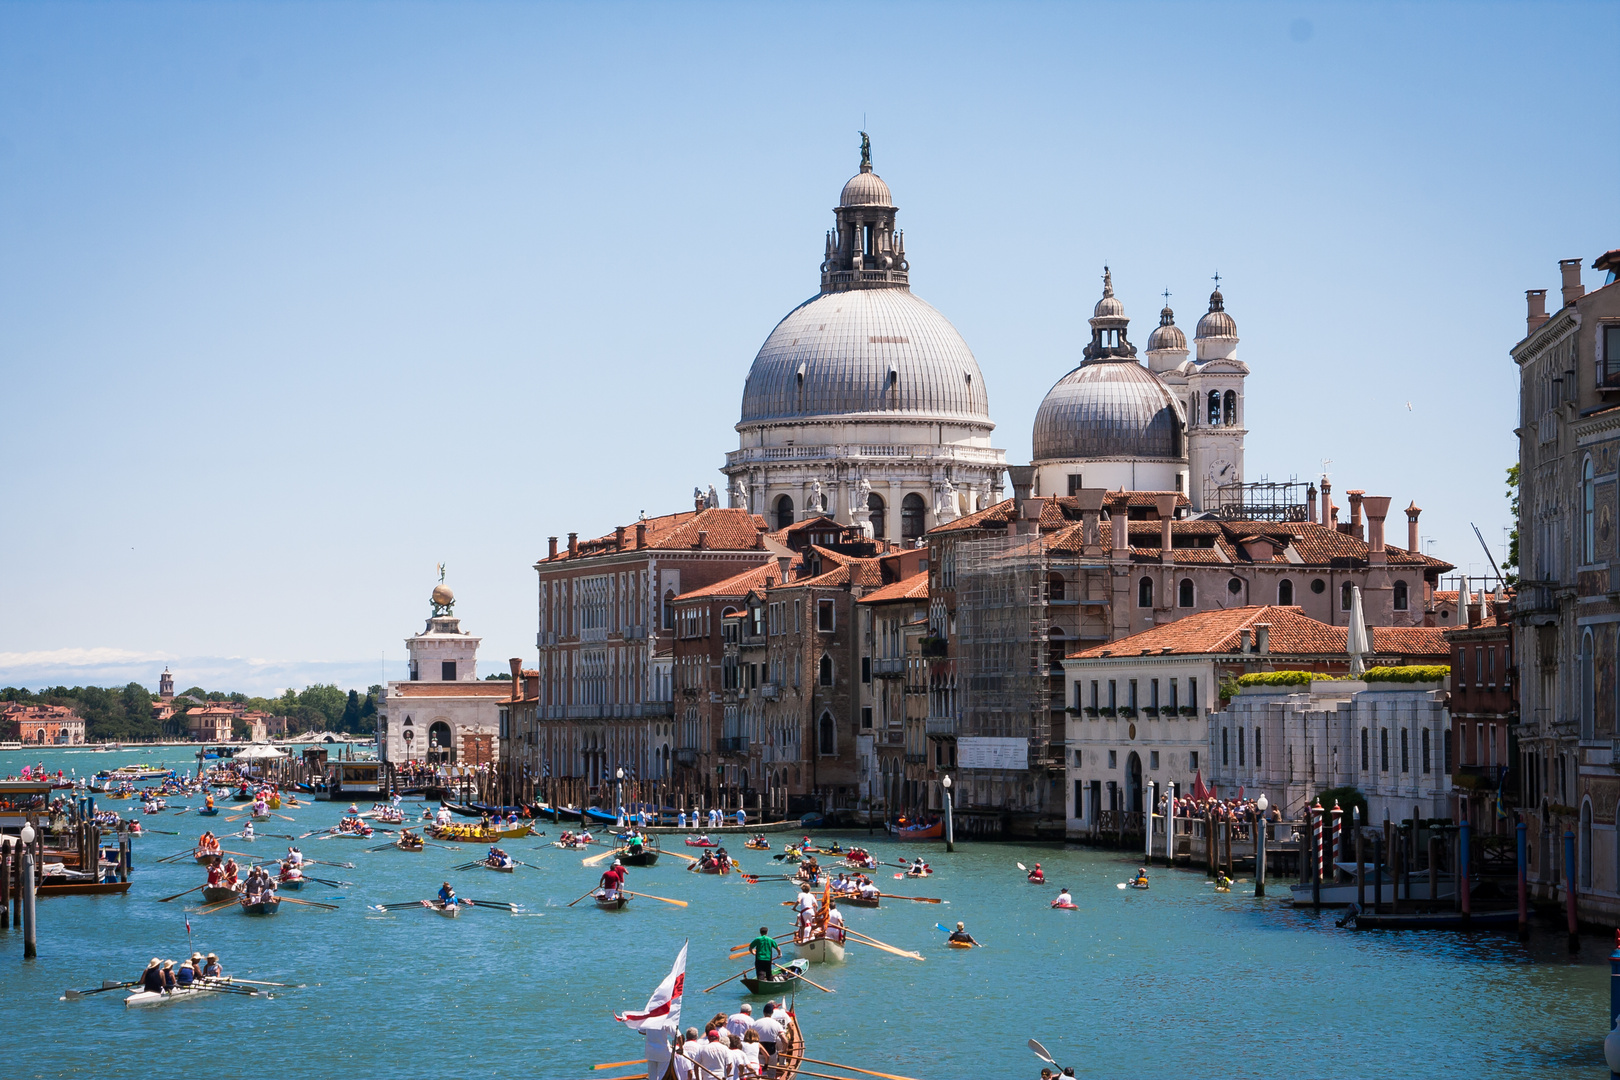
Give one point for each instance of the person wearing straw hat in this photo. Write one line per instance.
(151, 979)
(211, 969)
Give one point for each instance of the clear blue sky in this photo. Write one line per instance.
(297, 301)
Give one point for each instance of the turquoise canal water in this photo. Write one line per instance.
(1176, 981)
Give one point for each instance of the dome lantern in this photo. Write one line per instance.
(1108, 328)
(865, 250)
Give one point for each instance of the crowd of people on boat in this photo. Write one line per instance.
(734, 1047)
(714, 859)
(856, 884)
(165, 976)
(258, 887)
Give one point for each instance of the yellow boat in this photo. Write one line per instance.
(275, 802)
(515, 832)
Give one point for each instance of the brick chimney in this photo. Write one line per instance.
(1090, 501)
(618, 538)
(551, 546)
(1573, 290)
(1327, 502)
(1310, 502)
(1377, 510)
(1243, 640)
(573, 543)
(517, 676)
(1262, 637)
(1165, 503)
(782, 564)
(1121, 531)
(1412, 512)
(1355, 512)
(703, 539)
(1476, 609)
(1536, 303)
(641, 535)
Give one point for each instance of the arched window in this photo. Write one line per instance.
(874, 504)
(827, 736)
(1347, 593)
(1285, 593)
(1214, 408)
(1144, 593)
(1054, 587)
(1588, 685)
(669, 609)
(1402, 600)
(1192, 411)
(784, 511)
(912, 512)
(826, 671)
(1185, 597)
(1175, 439)
(1588, 515)
(1230, 419)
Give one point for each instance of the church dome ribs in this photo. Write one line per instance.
(1107, 410)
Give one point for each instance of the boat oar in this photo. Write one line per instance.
(160, 832)
(396, 907)
(876, 944)
(498, 905)
(284, 817)
(919, 899)
(650, 896)
(1040, 1051)
(587, 893)
(594, 859)
(520, 862)
(640, 1061)
(447, 847)
(851, 1068)
(261, 982)
(332, 884)
(384, 847)
(706, 989)
(468, 866)
(221, 906)
(323, 862)
(178, 895)
(308, 903)
(678, 855)
(75, 995)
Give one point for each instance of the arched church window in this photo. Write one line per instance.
(826, 671)
(1285, 593)
(1214, 408)
(1144, 593)
(874, 503)
(1231, 408)
(912, 514)
(1346, 596)
(1192, 411)
(1185, 595)
(784, 511)
(827, 736)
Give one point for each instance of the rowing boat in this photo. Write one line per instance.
(293, 883)
(614, 902)
(213, 894)
(758, 845)
(205, 857)
(208, 811)
(1065, 907)
(786, 980)
(449, 911)
(403, 846)
(960, 944)
(857, 901)
(504, 868)
(820, 950)
(145, 998)
(700, 843)
(262, 907)
(717, 868)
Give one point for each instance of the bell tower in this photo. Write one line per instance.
(1215, 421)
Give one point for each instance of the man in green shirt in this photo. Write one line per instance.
(765, 949)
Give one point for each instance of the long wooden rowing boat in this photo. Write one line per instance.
(616, 902)
(854, 900)
(789, 1052)
(646, 856)
(80, 888)
(147, 998)
(820, 950)
(491, 864)
(213, 894)
(263, 907)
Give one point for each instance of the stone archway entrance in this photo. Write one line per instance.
(1133, 783)
(441, 747)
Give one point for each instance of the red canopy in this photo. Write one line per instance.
(1199, 791)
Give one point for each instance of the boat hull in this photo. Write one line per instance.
(858, 901)
(820, 951)
(208, 811)
(263, 907)
(936, 831)
(214, 894)
(82, 888)
(449, 911)
(646, 857)
(498, 868)
(612, 903)
(291, 883)
(960, 944)
(1345, 895)
(145, 999)
(1439, 920)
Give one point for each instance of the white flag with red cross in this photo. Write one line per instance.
(663, 1011)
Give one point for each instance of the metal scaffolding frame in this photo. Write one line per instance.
(1261, 501)
(1001, 641)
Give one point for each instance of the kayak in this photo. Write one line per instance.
(960, 944)
(1065, 907)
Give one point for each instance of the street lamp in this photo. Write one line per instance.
(27, 835)
(950, 833)
(1261, 805)
(618, 793)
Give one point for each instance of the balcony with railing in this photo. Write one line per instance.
(888, 667)
(941, 725)
(770, 691)
(733, 744)
(686, 755)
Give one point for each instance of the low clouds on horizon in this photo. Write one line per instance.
(118, 667)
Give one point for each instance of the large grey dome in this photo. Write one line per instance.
(880, 352)
(1108, 409)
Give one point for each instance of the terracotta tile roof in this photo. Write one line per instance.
(1317, 545)
(1292, 633)
(740, 584)
(1057, 511)
(914, 587)
(847, 570)
(727, 528)
(468, 688)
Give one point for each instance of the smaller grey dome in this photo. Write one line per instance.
(1108, 409)
(1167, 335)
(866, 188)
(1216, 323)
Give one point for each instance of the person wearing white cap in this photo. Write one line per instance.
(740, 1022)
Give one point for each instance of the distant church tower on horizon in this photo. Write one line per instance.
(166, 685)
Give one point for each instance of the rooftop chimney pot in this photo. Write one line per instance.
(1536, 309)
(1573, 290)
(1412, 512)
(551, 547)
(1023, 481)
(1262, 637)
(573, 543)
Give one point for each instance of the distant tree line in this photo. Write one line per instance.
(126, 713)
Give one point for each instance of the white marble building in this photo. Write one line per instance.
(443, 713)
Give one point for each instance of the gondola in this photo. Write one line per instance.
(787, 979)
(262, 907)
(617, 902)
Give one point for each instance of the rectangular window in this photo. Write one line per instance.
(866, 716)
(1383, 749)
(1093, 693)
(796, 616)
(1113, 694)
(414, 676)
(1240, 741)
(1425, 751)
(1192, 693)
(1256, 748)
(1363, 749)
(1226, 751)
(1173, 694)
(1153, 759)
(1113, 759)
(1479, 664)
(866, 669)
(1153, 693)
(1192, 760)
(1611, 354)
(1406, 757)
(1079, 799)
(1075, 485)
(1490, 664)
(824, 616)
(447, 670)
(1133, 693)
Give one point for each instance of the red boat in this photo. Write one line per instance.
(700, 843)
(936, 831)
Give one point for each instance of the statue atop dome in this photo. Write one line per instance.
(866, 152)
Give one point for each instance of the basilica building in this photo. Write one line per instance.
(1175, 424)
(865, 403)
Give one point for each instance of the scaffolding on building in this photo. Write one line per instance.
(1262, 500)
(1002, 648)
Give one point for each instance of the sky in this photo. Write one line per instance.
(298, 301)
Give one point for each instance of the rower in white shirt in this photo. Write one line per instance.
(740, 1022)
(769, 1029)
(682, 1059)
(835, 922)
(712, 1055)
